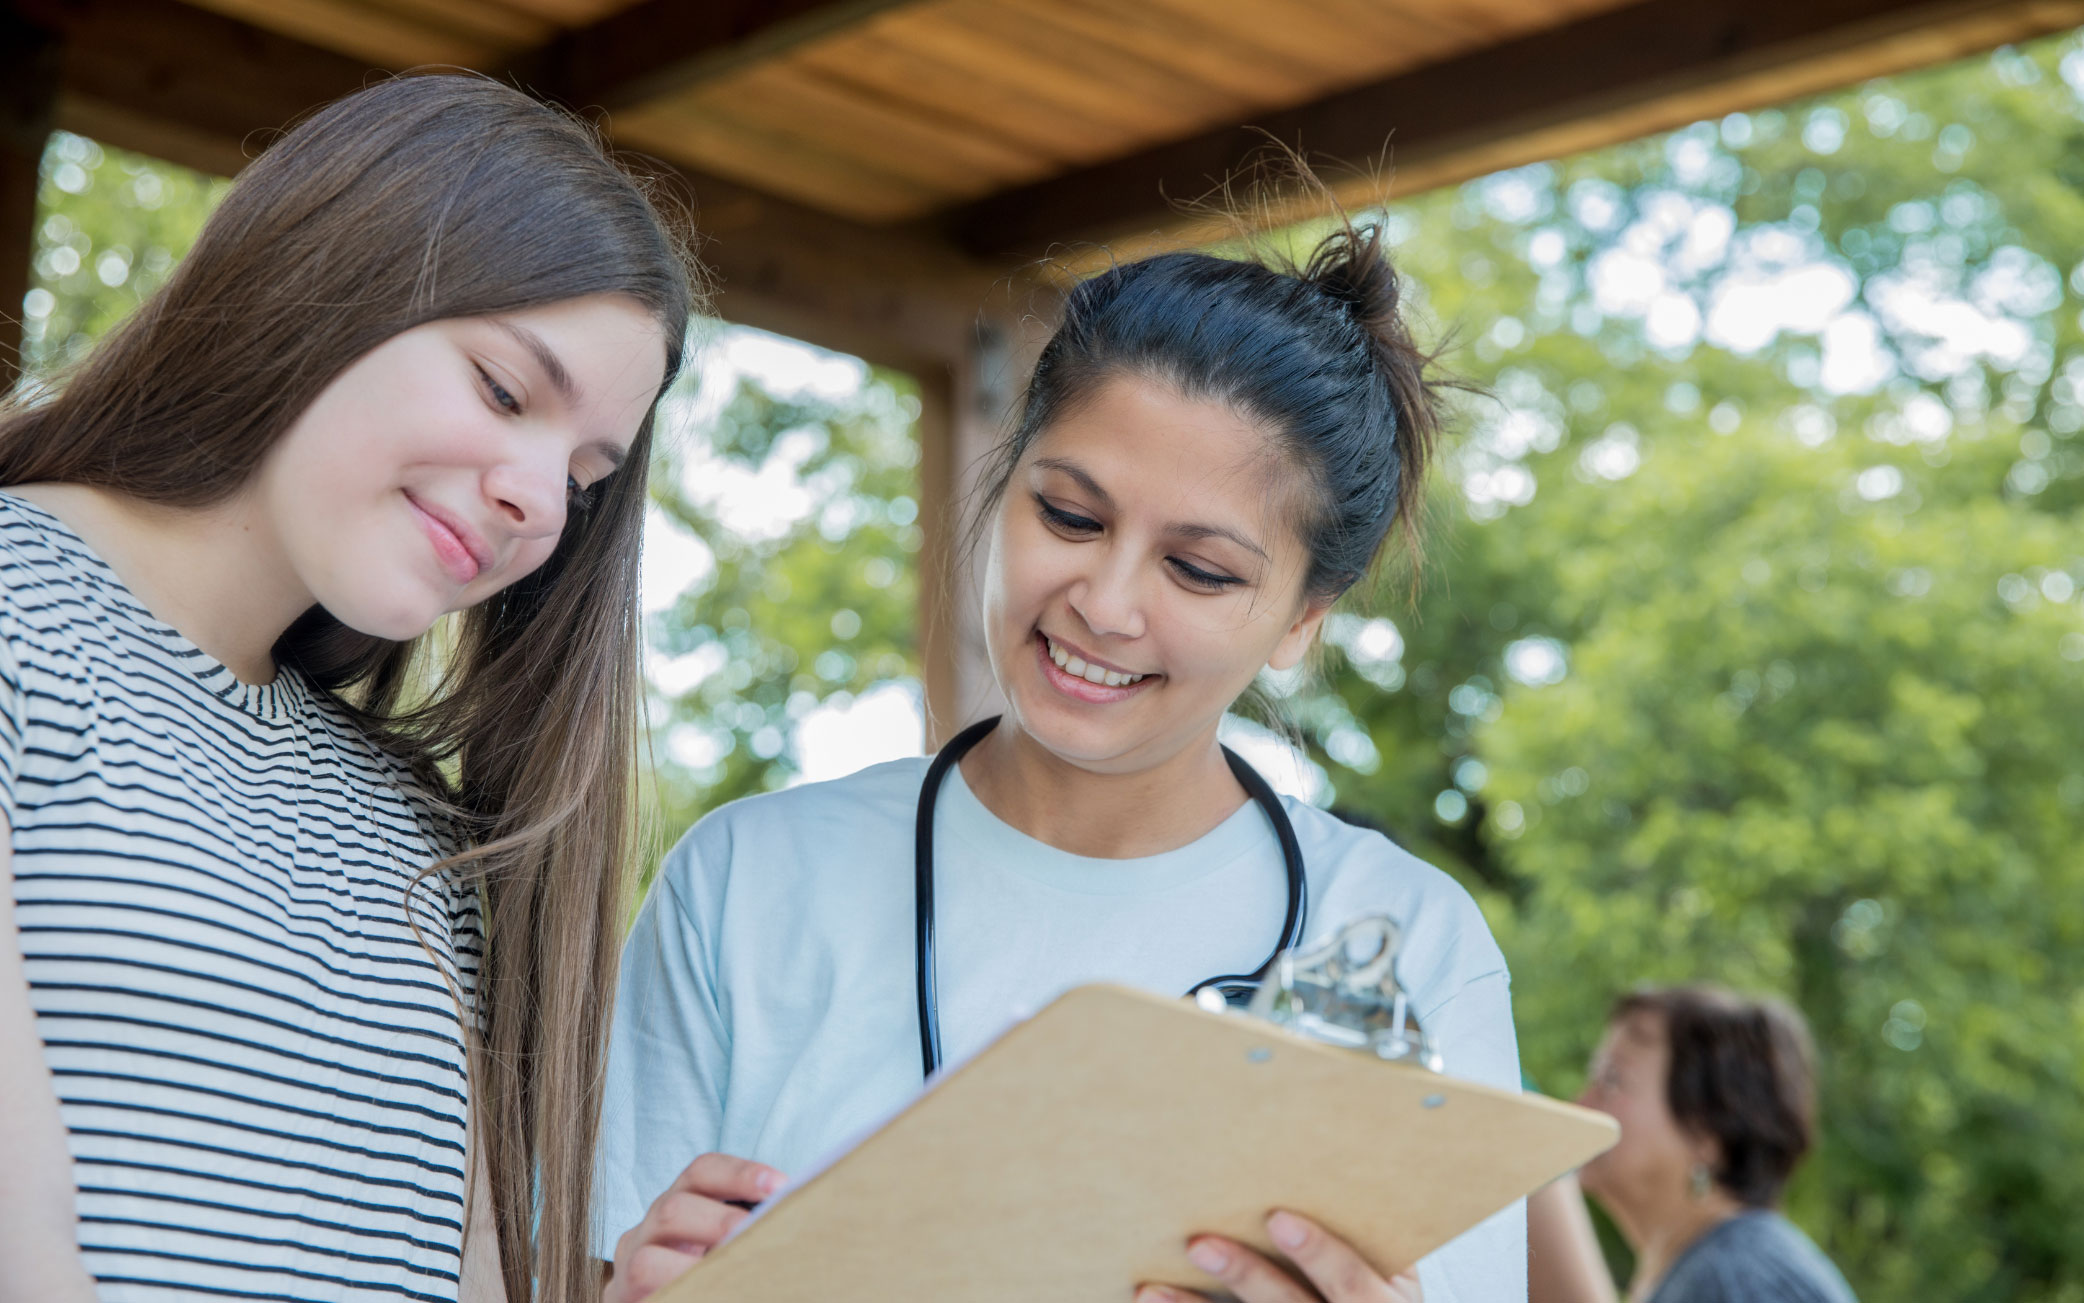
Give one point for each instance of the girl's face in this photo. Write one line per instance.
(1652, 1164)
(441, 466)
(1142, 571)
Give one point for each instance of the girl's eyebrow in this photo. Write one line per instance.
(1090, 485)
(545, 357)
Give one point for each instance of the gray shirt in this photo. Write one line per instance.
(1754, 1257)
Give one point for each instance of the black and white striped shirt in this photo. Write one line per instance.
(260, 1064)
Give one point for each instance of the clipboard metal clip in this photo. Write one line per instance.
(1345, 992)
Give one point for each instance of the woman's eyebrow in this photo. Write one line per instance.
(1090, 485)
(1219, 531)
(1078, 473)
(553, 366)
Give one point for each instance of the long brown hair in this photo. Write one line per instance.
(418, 199)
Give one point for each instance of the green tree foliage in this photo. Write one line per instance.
(1753, 654)
(113, 224)
(811, 607)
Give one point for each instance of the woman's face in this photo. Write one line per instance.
(440, 467)
(1652, 1164)
(1142, 570)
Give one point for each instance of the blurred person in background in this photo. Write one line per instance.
(1715, 1094)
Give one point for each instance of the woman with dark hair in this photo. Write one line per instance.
(1212, 451)
(319, 909)
(1715, 1095)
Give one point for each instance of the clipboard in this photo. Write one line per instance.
(1070, 1160)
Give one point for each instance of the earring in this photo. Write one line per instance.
(1700, 1181)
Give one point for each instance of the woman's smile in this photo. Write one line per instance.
(1071, 672)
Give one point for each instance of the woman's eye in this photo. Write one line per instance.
(1066, 521)
(577, 496)
(1205, 580)
(506, 401)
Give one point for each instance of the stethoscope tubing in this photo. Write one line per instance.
(1232, 985)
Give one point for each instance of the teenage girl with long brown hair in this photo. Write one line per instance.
(318, 910)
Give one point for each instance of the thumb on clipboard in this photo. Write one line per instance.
(1332, 1271)
(708, 1200)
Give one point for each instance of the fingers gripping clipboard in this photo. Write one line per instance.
(1071, 1159)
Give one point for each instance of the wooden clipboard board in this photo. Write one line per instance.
(1071, 1159)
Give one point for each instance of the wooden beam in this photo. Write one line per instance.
(892, 296)
(28, 102)
(183, 84)
(657, 48)
(1616, 76)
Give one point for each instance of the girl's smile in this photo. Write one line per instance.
(456, 545)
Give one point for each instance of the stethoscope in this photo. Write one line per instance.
(1235, 988)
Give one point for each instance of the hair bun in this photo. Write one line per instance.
(1350, 267)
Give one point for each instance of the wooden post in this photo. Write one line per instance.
(940, 527)
(966, 408)
(28, 98)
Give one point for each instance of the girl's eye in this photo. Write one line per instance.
(1205, 580)
(1066, 521)
(578, 497)
(506, 401)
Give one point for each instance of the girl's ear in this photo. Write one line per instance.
(1288, 653)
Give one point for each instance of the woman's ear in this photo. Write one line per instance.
(1295, 643)
(1707, 1150)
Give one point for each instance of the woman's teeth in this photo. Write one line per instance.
(1077, 667)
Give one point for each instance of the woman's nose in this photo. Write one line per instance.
(1109, 602)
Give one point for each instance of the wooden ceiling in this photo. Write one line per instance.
(924, 106)
(855, 160)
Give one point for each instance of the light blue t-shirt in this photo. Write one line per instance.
(768, 1009)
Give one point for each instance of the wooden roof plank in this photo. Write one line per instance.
(1063, 135)
(569, 15)
(1138, 77)
(1041, 77)
(1026, 88)
(1191, 46)
(805, 169)
(1650, 66)
(933, 149)
(1342, 37)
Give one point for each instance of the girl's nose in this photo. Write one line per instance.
(529, 496)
